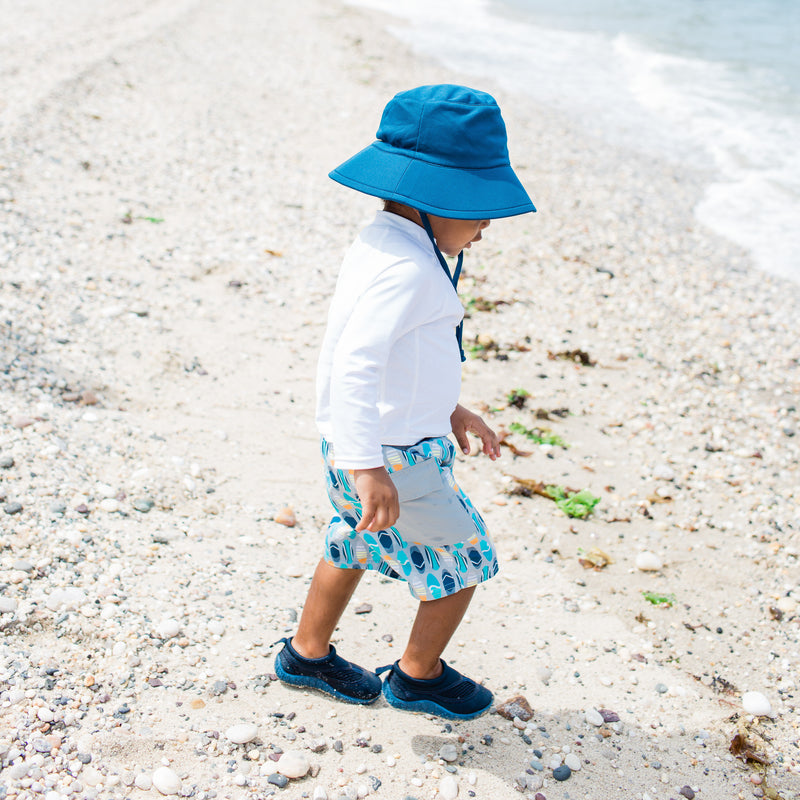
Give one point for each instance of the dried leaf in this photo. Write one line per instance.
(503, 435)
(594, 559)
(742, 748)
(528, 488)
(276, 253)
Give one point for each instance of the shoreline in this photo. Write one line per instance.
(169, 366)
(462, 42)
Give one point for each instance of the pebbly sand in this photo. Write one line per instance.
(168, 245)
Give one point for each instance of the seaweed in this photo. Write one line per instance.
(659, 599)
(573, 502)
(517, 398)
(578, 356)
(538, 435)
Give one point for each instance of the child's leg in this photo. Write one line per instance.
(435, 623)
(328, 596)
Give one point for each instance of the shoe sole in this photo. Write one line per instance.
(428, 706)
(307, 682)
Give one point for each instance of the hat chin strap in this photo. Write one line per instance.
(452, 278)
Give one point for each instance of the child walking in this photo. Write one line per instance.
(388, 383)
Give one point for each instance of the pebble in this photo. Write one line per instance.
(572, 761)
(143, 781)
(216, 627)
(278, 780)
(687, 792)
(6, 462)
(13, 507)
(242, 733)
(293, 764)
(166, 781)
(320, 793)
(562, 773)
(286, 516)
(142, 504)
(448, 788)
(448, 752)
(544, 674)
(648, 562)
(662, 688)
(594, 717)
(517, 706)
(757, 704)
(8, 605)
(168, 628)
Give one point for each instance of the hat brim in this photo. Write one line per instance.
(452, 192)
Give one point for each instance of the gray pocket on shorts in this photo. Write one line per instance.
(430, 511)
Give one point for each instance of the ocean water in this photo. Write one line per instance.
(711, 83)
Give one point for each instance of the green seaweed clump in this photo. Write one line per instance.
(573, 504)
(538, 435)
(659, 599)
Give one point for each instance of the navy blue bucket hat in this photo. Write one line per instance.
(440, 149)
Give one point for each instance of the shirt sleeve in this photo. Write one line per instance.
(390, 307)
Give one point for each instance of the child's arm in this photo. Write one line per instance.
(463, 420)
(378, 496)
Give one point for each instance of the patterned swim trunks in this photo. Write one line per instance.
(431, 572)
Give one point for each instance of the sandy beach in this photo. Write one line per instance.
(169, 241)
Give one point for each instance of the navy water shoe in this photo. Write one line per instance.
(330, 674)
(451, 695)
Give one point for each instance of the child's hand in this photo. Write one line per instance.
(462, 420)
(379, 503)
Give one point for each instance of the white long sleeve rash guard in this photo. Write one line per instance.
(390, 368)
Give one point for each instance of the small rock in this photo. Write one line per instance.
(609, 716)
(448, 752)
(143, 504)
(448, 788)
(6, 462)
(562, 773)
(648, 562)
(364, 608)
(687, 792)
(757, 704)
(293, 764)
(662, 688)
(166, 781)
(572, 761)
(594, 717)
(664, 472)
(242, 733)
(319, 793)
(168, 628)
(12, 508)
(8, 605)
(278, 780)
(544, 674)
(219, 687)
(143, 781)
(216, 627)
(517, 706)
(286, 517)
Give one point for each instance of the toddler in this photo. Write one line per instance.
(388, 383)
